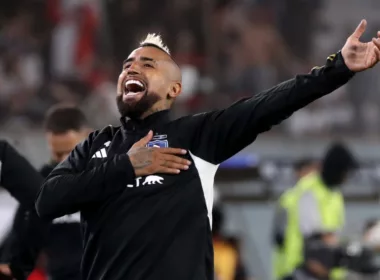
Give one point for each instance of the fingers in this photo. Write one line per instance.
(173, 151)
(360, 29)
(376, 41)
(175, 162)
(173, 165)
(169, 170)
(144, 141)
(176, 159)
(377, 52)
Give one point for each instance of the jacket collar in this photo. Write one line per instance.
(148, 122)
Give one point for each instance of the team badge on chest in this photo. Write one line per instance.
(160, 141)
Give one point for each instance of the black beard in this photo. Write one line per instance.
(135, 110)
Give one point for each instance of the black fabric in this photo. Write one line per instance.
(157, 227)
(47, 168)
(63, 243)
(61, 240)
(22, 181)
(18, 176)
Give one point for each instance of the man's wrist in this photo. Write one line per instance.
(339, 60)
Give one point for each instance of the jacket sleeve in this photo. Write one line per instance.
(22, 181)
(18, 176)
(218, 135)
(72, 184)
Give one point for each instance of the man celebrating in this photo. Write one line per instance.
(140, 220)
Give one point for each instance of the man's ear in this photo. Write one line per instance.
(175, 90)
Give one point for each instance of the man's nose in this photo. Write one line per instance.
(134, 69)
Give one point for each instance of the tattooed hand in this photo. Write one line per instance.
(147, 161)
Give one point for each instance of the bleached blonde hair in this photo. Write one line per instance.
(153, 39)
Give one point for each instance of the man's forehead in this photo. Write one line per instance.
(148, 52)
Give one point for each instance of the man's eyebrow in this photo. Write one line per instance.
(143, 58)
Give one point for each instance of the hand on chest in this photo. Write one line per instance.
(105, 150)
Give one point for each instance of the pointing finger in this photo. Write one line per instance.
(360, 29)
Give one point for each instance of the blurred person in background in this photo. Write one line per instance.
(359, 258)
(306, 210)
(65, 127)
(22, 181)
(227, 259)
(304, 167)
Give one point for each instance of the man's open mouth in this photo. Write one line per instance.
(134, 87)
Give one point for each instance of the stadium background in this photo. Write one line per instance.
(71, 51)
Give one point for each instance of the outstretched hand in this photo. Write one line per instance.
(360, 56)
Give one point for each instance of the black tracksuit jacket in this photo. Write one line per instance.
(159, 227)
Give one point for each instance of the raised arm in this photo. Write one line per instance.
(222, 133)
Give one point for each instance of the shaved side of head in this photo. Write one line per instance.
(175, 72)
(155, 41)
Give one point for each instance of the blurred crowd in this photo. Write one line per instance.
(49, 54)
(69, 50)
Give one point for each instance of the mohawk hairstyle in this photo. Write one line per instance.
(154, 40)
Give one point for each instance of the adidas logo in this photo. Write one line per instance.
(102, 153)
